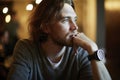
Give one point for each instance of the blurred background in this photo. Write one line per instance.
(98, 19)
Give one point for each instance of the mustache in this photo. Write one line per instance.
(69, 37)
(74, 33)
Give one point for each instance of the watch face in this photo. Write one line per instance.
(100, 54)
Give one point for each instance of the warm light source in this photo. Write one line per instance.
(5, 10)
(38, 1)
(112, 5)
(8, 18)
(29, 7)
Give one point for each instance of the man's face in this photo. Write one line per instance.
(62, 30)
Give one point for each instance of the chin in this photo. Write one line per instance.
(69, 43)
(64, 43)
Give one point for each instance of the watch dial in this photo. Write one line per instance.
(101, 54)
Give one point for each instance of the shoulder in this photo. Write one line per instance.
(24, 43)
(24, 48)
(25, 52)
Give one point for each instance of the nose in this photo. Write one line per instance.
(73, 26)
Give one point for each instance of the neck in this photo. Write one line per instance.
(51, 49)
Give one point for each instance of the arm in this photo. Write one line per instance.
(98, 68)
(20, 68)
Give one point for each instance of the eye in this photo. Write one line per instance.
(65, 20)
(75, 19)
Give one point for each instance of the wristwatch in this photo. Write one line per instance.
(98, 55)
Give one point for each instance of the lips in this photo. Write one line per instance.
(69, 37)
(73, 34)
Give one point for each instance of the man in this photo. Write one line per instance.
(56, 50)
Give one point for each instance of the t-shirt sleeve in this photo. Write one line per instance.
(20, 68)
(85, 70)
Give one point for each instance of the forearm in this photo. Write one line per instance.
(99, 71)
(98, 68)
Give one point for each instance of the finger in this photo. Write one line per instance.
(77, 41)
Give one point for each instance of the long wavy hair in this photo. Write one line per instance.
(43, 14)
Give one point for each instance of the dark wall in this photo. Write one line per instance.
(112, 22)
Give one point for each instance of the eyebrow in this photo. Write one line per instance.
(67, 17)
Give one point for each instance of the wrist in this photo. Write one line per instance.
(92, 49)
(97, 55)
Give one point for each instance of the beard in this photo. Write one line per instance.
(66, 40)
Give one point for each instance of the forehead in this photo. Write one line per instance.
(67, 10)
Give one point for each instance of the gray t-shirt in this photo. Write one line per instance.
(31, 64)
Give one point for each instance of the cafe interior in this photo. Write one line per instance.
(98, 19)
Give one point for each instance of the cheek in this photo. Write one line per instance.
(64, 27)
(63, 31)
(60, 28)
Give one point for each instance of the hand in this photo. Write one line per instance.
(80, 39)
